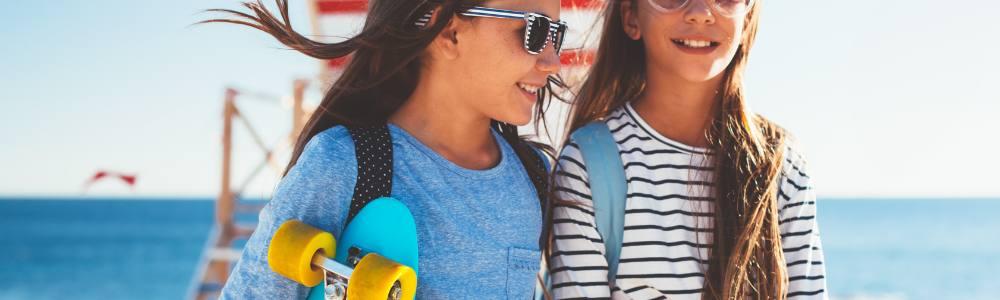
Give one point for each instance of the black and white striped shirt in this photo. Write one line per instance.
(668, 221)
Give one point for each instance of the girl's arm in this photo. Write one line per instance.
(315, 191)
(799, 231)
(579, 269)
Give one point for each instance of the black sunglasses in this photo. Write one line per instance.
(540, 29)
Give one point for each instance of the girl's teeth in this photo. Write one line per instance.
(529, 88)
(695, 43)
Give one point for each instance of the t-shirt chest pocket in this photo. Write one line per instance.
(522, 267)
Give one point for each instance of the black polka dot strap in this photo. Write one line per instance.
(529, 157)
(373, 149)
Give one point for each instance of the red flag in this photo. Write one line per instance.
(128, 179)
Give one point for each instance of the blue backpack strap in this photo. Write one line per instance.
(606, 175)
(543, 288)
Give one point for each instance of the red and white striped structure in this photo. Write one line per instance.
(334, 20)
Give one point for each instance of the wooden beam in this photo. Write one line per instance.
(341, 6)
(224, 204)
(325, 7)
(573, 58)
(298, 111)
(584, 4)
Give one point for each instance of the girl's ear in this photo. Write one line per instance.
(630, 20)
(446, 42)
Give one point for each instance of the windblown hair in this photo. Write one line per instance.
(387, 57)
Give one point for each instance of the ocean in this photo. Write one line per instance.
(148, 248)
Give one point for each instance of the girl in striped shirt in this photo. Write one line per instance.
(719, 201)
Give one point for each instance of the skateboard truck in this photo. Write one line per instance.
(353, 256)
(335, 277)
(335, 286)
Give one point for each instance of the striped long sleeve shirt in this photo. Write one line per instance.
(668, 221)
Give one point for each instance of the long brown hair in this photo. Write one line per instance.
(746, 259)
(383, 71)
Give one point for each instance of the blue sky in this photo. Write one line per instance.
(888, 98)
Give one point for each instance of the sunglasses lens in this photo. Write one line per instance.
(536, 34)
(557, 38)
(668, 5)
(732, 7)
(725, 7)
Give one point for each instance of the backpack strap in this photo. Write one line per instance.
(529, 156)
(541, 187)
(534, 157)
(373, 150)
(608, 188)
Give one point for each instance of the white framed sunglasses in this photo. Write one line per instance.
(538, 31)
(724, 7)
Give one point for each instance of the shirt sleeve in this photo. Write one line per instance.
(315, 191)
(579, 269)
(800, 231)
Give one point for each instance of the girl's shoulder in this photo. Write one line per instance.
(794, 153)
(315, 188)
(328, 154)
(569, 155)
(793, 158)
(333, 139)
(794, 165)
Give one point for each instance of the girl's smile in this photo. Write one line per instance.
(695, 45)
(530, 91)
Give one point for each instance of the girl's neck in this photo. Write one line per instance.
(677, 108)
(439, 120)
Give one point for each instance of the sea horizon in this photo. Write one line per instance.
(148, 247)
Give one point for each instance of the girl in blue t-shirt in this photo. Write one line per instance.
(451, 80)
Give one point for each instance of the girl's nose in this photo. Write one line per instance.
(548, 61)
(699, 12)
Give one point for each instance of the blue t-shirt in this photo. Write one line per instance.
(477, 229)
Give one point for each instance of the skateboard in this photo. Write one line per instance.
(376, 257)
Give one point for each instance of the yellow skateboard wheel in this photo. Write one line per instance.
(376, 276)
(292, 249)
